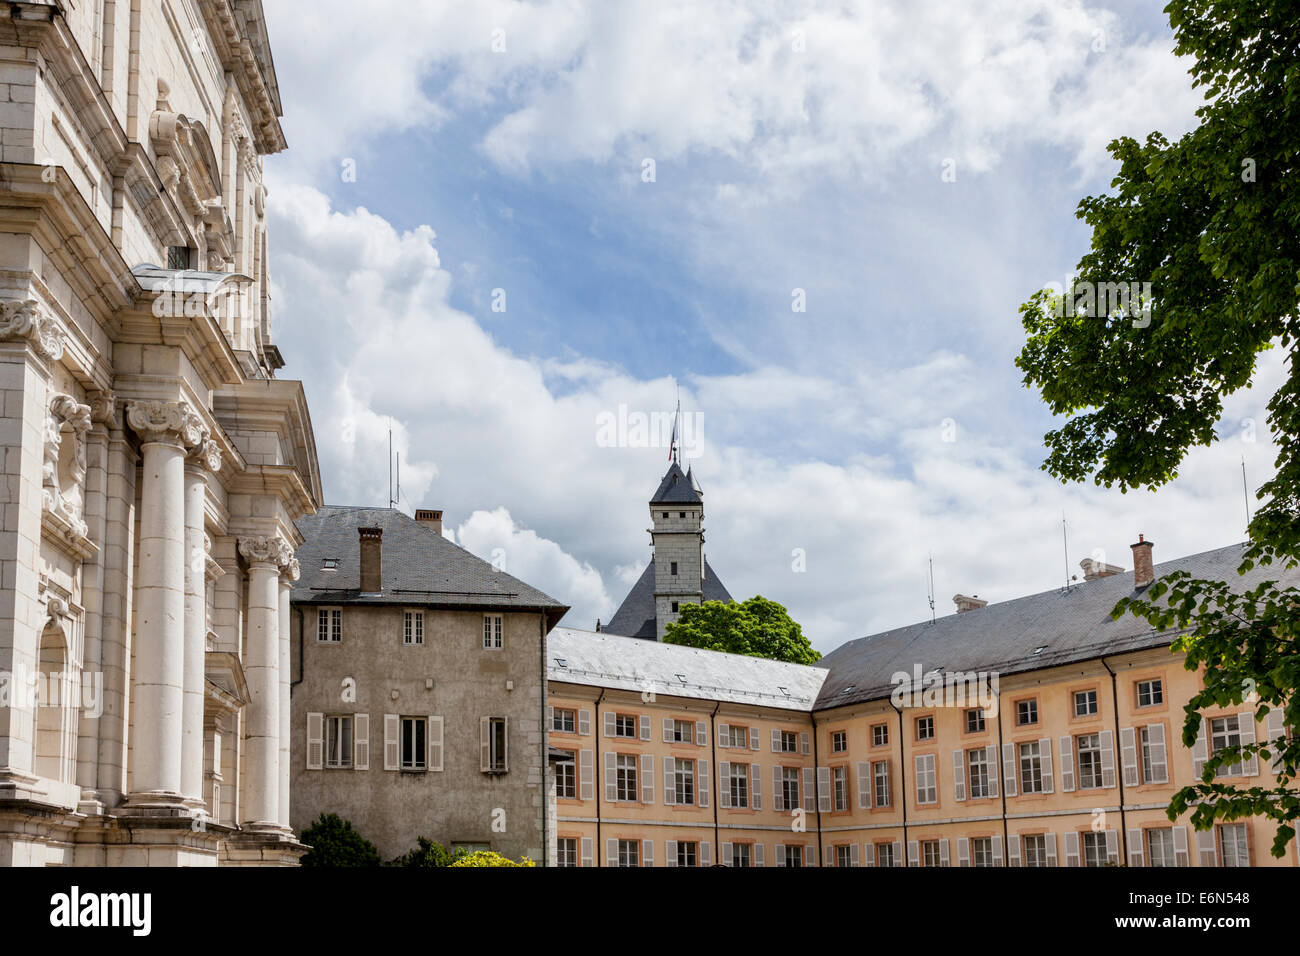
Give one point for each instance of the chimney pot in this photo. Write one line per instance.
(1144, 569)
(430, 519)
(964, 603)
(372, 550)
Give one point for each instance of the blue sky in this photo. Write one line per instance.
(796, 146)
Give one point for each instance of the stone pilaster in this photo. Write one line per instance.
(288, 575)
(167, 430)
(205, 460)
(265, 557)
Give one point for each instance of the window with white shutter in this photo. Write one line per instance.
(393, 742)
(824, 789)
(701, 733)
(586, 776)
(1128, 756)
(1180, 847)
(997, 850)
(611, 777)
(1013, 849)
(1246, 728)
(778, 803)
(1206, 851)
(780, 855)
(963, 852)
(805, 747)
(611, 852)
(1200, 753)
(1275, 735)
(1050, 839)
(647, 778)
(645, 726)
(1107, 758)
(776, 741)
(724, 784)
(943, 852)
(864, 785)
(669, 730)
(959, 774)
(753, 738)
(1155, 760)
(706, 853)
(1135, 856)
(1009, 769)
(759, 852)
(1112, 847)
(1045, 759)
(361, 742)
(584, 723)
(647, 853)
(724, 735)
(435, 744)
(927, 786)
(868, 854)
(670, 784)
(315, 741)
(1067, 764)
(913, 853)
(883, 790)
(608, 723)
(756, 786)
(809, 800)
(702, 783)
(1071, 848)
(587, 852)
(670, 853)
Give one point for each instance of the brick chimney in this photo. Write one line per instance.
(1144, 568)
(372, 560)
(430, 519)
(965, 603)
(1094, 569)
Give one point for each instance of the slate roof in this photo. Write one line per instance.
(419, 567)
(626, 663)
(1068, 626)
(635, 617)
(676, 489)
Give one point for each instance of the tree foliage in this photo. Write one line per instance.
(490, 858)
(1212, 221)
(756, 628)
(426, 854)
(334, 842)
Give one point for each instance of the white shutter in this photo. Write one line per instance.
(647, 852)
(1050, 840)
(1107, 739)
(913, 853)
(1128, 756)
(505, 755)
(759, 853)
(1159, 756)
(1013, 849)
(645, 726)
(804, 746)
(1205, 855)
(830, 856)
(434, 736)
(963, 851)
(706, 853)
(670, 853)
(1135, 857)
(584, 723)
(943, 852)
(755, 786)
(991, 760)
(780, 854)
(864, 785)
(997, 850)
(1275, 734)
(724, 854)
(809, 801)
(809, 856)
(868, 854)
(1009, 769)
(647, 778)
(611, 777)
(611, 852)
(392, 733)
(1045, 757)
(753, 738)
(315, 741)
(588, 849)
(1112, 847)
(668, 730)
(702, 783)
(724, 735)
(824, 789)
(360, 741)
(1067, 764)
(1180, 846)
(586, 776)
(1200, 753)
(776, 744)
(959, 774)
(609, 723)
(853, 854)
(1071, 848)
(1246, 727)
(550, 719)
(898, 853)
(670, 784)
(778, 799)
(724, 784)
(701, 734)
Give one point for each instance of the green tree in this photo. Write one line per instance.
(756, 628)
(1210, 221)
(427, 853)
(334, 842)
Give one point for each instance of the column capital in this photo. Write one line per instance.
(206, 454)
(27, 319)
(173, 423)
(103, 407)
(272, 550)
(289, 573)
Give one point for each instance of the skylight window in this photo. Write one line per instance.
(329, 564)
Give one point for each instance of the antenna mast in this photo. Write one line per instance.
(390, 466)
(929, 587)
(1245, 490)
(1065, 550)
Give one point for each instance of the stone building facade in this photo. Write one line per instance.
(418, 688)
(154, 466)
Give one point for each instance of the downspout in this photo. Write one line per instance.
(713, 772)
(301, 664)
(817, 799)
(546, 750)
(902, 777)
(1002, 790)
(595, 732)
(1119, 765)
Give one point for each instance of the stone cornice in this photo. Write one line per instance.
(28, 320)
(283, 482)
(174, 423)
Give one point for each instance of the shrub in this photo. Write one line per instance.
(489, 858)
(334, 842)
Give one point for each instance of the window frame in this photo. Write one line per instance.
(334, 628)
(1155, 689)
(493, 632)
(344, 760)
(1031, 703)
(412, 628)
(627, 778)
(883, 729)
(419, 756)
(926, 720)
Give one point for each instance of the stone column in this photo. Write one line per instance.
(167, 430)
(205, 460)
(287, 577)
(265, 556)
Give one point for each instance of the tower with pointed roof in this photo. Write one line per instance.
(678, 572)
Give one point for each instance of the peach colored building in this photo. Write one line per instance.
(1035, 732)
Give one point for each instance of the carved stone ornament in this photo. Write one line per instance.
(207, 453)
(27, 320)
(103, 407)
(63, 474)
(173, 422)
(273, 550)
(290, 572)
